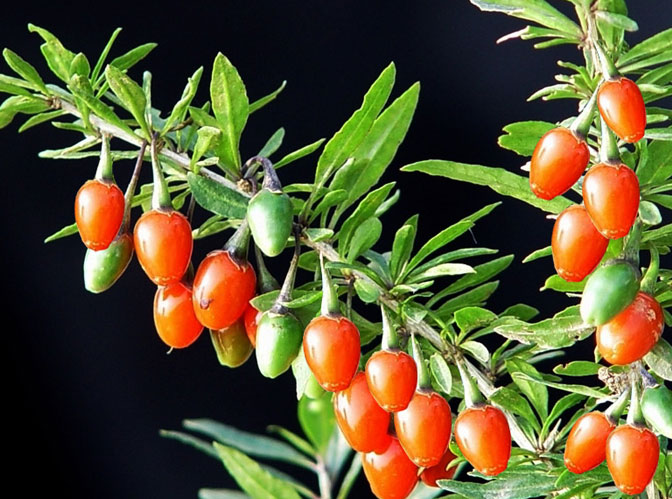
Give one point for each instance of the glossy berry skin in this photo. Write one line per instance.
(361, 420)
(558, 161)
(163, 243)
(278, 342)
(482, 434)
(608, 291)
(621, 105)
(585, 448)
(392, 376)
(222, 289)
(391, 474)
(331, 348)
(632, 457)
(103, 268)
(631, 334)
(439, 472)
(231, 345)
(576, 244)
(269, 215)
(611, 196)
(423, 428)
(251, 318)
(174, 316)
(99, 211)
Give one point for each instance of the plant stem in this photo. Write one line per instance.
(651, 276)
(323, 479)
(132, 184)
(635, 416)
(288, 284)
(265, 280)
(390, 338)
(238, 243)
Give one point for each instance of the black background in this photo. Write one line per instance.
(88, 383)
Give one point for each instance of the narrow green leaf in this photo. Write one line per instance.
(646, 49)
(80, 65)
(440, 270)
(473, 297)
(522, 137)
(259, 103)
(401, 249)
(103, 55)
(217, 198)
(375, 152)
(437, 242)
(207, 136)
(185, 438)
(356, 266)
(498, 179)
(478, 350)
(509, 399)
(558, 332)
(557, 283)
(254, 480)
(538, 11)
(299, 153)
(317, 421)
(520, 311)
(66, 231)
(40, 118)
(662, 235)
(350, 477)
(659, 133)
(130, 94)
(220, 494)
(132, 57)
(577, 368)
(519, 486)
(20, 104)
(293, 439)
(581, 389)
(366, 209)
(331, 199)
(301, 373)
(10, 88)
(24, 69)
(618, 20)
(441, 373)
(529, 385)
(365, 236)
(659, 359)
(659, 155)
(483, 272)
(470, 318)
(366, 291)
(82, 89)
(319, 234)
(343, 144)
(565, 403)
(180, 109)
(250, 443)
(273, 143)
(304, 300)
(202, 118)
(57, 56)
(540, 253)
(230, 106)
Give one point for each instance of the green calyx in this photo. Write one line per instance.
(581, 125)
(609, 153)
(657, 409)
(238, 243)
(390, 338)
(160, 193)
(613, 413)
(231, 345)
(265, 280)
(104, 172)
(270, 217)
(608, 291)
(424, 382)
(103, 268)
(472, 395)
(635, 416)
(279, 338)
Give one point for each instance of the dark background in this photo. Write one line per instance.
(88, 382)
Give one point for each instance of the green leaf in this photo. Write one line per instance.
(509, 399)
(230, 106)
(566, 402)
(366, 291)
(617, 20)
(581, 389)
(319, 234)
(259, 103)
(356, 266)
(68, 230)
(8, 87)
(578, 368)
(59, 59)
(24, 69)
(80, 65)
(649, 213)
(317, 421)
(180, 109)
(366, 209)
(342, 145)
(477, 350)
(130, 94)
(350, 477)
(659, 359)
(299, 443)
(365, 236)
(206, 137)
(658, 165)
(440, 270)
(82, 89)
(301, 373)
(470, 318)
(299, 153)
(217, 198)
(273, 143)
(662, 235)
(498, 179)
(522, 137)
(221, 494)
(517, 486)
(40, 118)
(103, 55)
(529, 385)
(304, 300)
(664, 134)
(482, 273)
(202, 118)
(250, 443)
(132, 57)
(557, 283)
(549, 334)
(401, 249)
(520, 311)
(441, 373)
(185, 438)
(540, 253)
(538, 11)
(377, 149)
(646, 49)
(331, 199)
(476, 296)
(20, 104)
(254, 480)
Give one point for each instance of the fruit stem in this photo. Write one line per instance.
(609, 153)
(651, 276)
(613, 413)
(635, 416)
(288, 284)
(265, 280)
(424, 382)
(160, 194)
(609, 71)
(238, 243)
(271, 181)
(631, 249)
(472, 395)
(130, 189)
(390, 338)
(330, 304)
(581, 125)
(104, 171)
